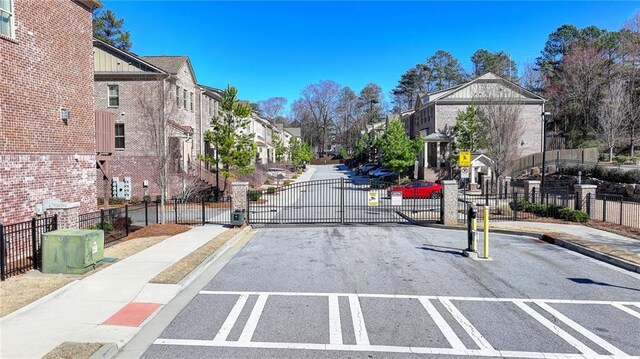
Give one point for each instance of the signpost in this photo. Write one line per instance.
(372, 198)
(464, 159)
(464, 172)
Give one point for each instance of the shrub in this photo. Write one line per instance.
(294, 176)
(146, 198)
(100, 200)
(569, 214)
(135, 200)
(106, 226)
(116, 200)
(271, 190)
(255, 195)
(158, 197)
(267, 182)
(287, 182)
(121, 223)
(503, 209)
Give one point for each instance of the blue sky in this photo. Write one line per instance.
(269, 49)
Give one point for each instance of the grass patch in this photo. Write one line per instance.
(70, 350)
(180, 269)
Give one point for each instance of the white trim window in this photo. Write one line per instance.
(119, 134)
(184, 99)
(191, 101)
(178, 96)
(6, 18)
(114, 95)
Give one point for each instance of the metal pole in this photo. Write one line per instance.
(33, 243)
(342, 200)
(126, 219)
(203, 212)
(146, 213)
(157, 215)
(175, 210)
(102, 219)
(604, 209)
(486, 232)
(2, 255)
(621, 203)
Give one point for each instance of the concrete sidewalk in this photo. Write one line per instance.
(78, 311)
(592, 239)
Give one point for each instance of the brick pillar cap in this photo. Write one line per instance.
(532, 181)
(586, 186)
(239, 183)
(449, 182)
(64, 205)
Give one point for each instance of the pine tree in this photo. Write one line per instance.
(108, 28)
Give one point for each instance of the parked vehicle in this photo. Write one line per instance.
(364, 169)
(420, 189)
(379, 172)
(389, 177)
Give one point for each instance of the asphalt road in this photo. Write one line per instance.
(404, 291)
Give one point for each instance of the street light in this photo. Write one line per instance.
(544, 115)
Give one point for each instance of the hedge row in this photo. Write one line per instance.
(550, 210)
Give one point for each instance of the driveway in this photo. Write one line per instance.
(404, 291)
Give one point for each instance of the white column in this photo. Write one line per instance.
(472, 174)
(426, 155)
(438, 155)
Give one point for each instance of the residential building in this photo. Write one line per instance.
(159, 118)
(47, 126)
(435, 114)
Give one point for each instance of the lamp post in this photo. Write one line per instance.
(544, 115)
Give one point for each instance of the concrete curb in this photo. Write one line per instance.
(188, 279)
(620, 263)
(55, 293)
(111, 350)
(106, 351)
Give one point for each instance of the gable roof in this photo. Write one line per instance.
(430, 98)
(171, 64)
(134, 63)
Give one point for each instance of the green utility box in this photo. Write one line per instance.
(72, 251)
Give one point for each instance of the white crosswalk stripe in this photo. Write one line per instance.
(457, 346)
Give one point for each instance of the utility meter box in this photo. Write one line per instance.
(237, 218)
(72, 251)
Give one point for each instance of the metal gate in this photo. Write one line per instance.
(340, 201)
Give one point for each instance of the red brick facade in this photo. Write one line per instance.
(47, 66)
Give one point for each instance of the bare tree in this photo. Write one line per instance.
(501, 110)
(532, 79)
(630, 47)
(613, 114)
(272, 107)
(318, 102)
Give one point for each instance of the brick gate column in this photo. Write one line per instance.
(68, 213)
(449, 203)
(239, 191)
(530, 186)
(582, 190)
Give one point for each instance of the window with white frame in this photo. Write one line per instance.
(114, 95)
(178, 96)
(6, 18)
(119, 136)
(184, 99)
(191, 101)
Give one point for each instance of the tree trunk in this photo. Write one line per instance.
(633, 130)
(611, 154)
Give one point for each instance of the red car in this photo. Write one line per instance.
(420, 189)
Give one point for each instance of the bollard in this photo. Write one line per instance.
(485, 215)
(471, 229)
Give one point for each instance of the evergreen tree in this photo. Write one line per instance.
(108, 28)
(398, 151)
(467, 132)
(231, 137)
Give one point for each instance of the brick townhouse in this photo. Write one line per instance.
(152, 97)
(47, 126)
(435, 111)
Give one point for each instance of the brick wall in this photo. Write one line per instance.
(52, 68)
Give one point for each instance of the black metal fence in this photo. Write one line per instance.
(338, 201)
(21, 243)
(515, 206)
(613, 209)
(117, 223)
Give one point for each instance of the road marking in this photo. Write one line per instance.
(372, 348)
(628, 310)
(442, 324)
(582, 330)
(254, 317)
(362, 338)
(335, 327)
(557, 330)
(480, 341)
(231, 319)
(407, 296)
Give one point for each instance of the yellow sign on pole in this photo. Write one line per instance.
(464, 159)
(372, 198)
